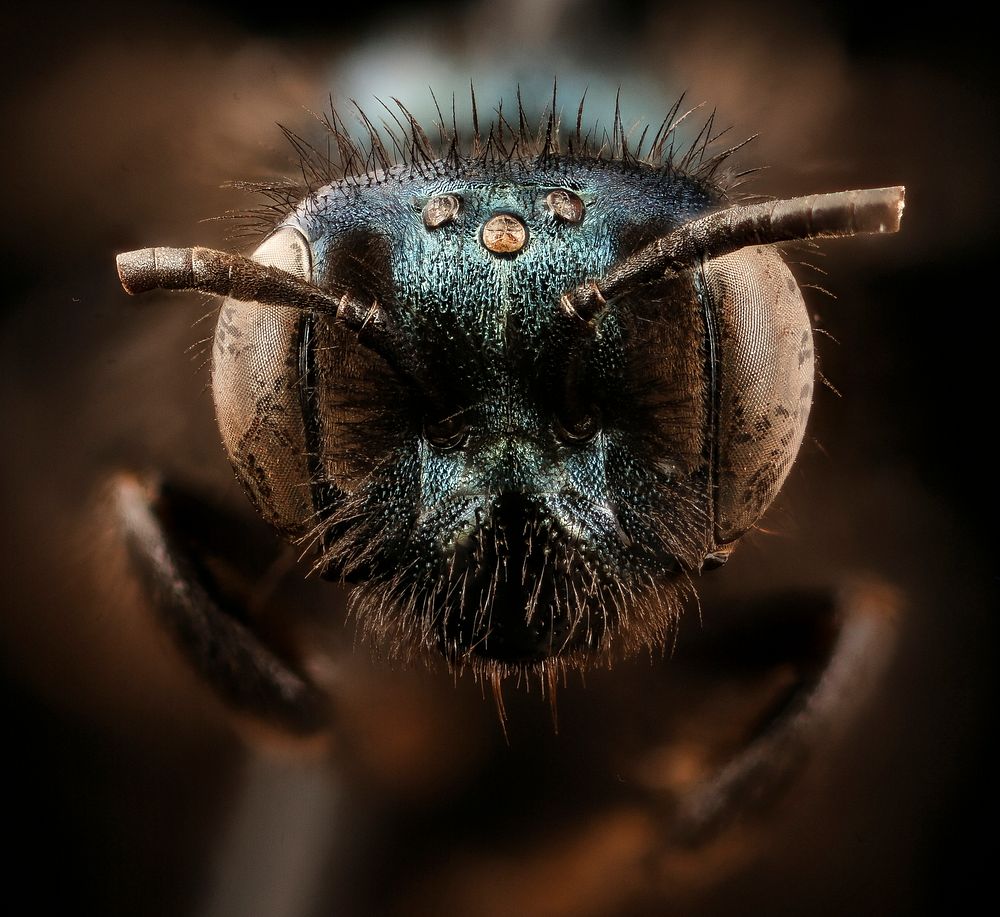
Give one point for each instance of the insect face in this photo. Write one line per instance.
(518, 401)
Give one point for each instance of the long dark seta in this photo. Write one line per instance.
(843, 213)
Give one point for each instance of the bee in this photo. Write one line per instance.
(519, 392)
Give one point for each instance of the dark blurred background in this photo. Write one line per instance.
(132, 791)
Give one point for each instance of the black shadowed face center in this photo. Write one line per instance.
(520, 591)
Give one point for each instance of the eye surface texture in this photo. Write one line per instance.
(257, 395)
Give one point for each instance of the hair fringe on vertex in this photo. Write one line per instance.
(394, 142)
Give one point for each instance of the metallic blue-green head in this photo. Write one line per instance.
(518, 397)
(504, 485)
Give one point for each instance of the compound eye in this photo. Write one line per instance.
(448, 434)
(257, 399)
(565, 206)
(441, 209)
(578, 431)
(765, 382)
